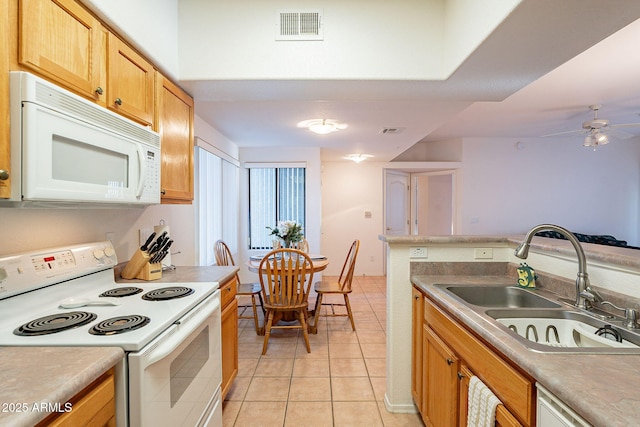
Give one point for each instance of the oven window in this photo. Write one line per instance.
(87, 164)
(186, 366)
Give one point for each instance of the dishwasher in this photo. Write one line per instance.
(552, 412)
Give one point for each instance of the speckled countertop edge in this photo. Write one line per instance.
(604, 389)
(34, 375)
(602, 253)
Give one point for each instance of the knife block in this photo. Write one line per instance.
(150, 271)
(135, 265)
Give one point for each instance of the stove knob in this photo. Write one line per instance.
(98, 253)
(108, 251)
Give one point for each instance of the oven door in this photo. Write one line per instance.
(175, 380)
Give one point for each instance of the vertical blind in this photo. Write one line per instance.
(217, 204)
(275, 194)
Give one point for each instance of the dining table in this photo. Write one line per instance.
(319, 263)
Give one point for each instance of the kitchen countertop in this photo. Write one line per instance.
(620, 256)
(604, 389)
(34, 375)
(190, 274)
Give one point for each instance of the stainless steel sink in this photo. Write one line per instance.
(544, 323)
(500, 296)
(566, 331)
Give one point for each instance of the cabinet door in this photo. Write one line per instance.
(62, 41)
(229, 345)
(175, 125)
(416, 347)
(130, 82)
(5, 146)
(440, 381)
(504, 418)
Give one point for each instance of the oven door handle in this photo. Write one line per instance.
(182, 328)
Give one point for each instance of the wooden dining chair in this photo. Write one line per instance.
(341, 287)
(224, 257)
(285, 277)
(302, 245)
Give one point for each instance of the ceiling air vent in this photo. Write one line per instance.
(391, 131)
(299, 25)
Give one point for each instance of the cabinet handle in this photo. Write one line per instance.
(4, 175)
(99, 90)
(118, 101)
(460, 376)
(449, 362)
(163, 192)
(416, 297)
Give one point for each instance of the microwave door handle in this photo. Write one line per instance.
(142, 173)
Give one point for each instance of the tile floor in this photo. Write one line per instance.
(340, 383)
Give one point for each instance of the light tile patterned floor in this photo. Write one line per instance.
(340, 383)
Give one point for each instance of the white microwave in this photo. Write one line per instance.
(66, 149)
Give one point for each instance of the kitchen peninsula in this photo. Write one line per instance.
(601, 388)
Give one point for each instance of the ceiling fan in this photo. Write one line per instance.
(598, 131)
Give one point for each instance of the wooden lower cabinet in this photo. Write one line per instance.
(94, 406)
(416, 347)
(229, 325)
(440, 382)
(451, 355)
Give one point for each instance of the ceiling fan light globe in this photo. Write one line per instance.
(588, 141)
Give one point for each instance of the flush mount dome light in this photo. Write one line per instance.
(358, 157)
(322, 126)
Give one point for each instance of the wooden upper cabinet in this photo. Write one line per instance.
(62, 41)
(130, 82)
(175, 125)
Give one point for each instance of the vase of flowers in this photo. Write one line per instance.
(288, 232)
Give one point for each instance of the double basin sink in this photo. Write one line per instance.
(545, 324)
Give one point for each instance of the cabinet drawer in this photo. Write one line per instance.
(93, 406)
(228, 292)
(515, 390)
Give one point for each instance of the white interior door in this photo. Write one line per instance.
(396, 203)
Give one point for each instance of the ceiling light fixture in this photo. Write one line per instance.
(322, 126)
(595, 138)
(357, 157)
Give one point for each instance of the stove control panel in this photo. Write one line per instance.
(43, 264)
(31, 270)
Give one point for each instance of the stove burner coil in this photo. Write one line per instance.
(120, 324)
(55, 323)
(164, 294)
(121, 292)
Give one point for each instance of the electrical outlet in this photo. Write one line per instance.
(483, 253)
(418, 252)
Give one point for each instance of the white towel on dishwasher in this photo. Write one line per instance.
(482, 404)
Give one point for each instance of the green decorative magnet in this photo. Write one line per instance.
(526, 276)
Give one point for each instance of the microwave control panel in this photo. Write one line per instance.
(151, 190)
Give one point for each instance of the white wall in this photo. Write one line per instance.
(413, 39)
(348, 190)
(504, 190)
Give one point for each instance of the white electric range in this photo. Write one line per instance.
(67, 296)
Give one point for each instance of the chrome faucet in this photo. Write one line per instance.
(582, 281)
